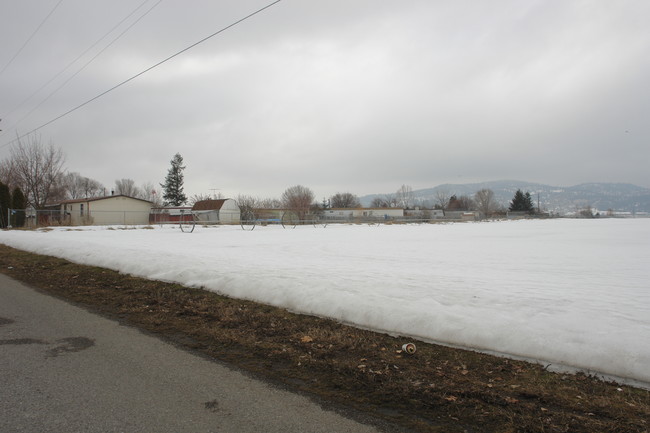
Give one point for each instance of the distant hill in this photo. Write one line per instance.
(620, 197)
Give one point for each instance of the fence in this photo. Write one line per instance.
(170, 216)
(52, 217)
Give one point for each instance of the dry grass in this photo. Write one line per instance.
(437, 389)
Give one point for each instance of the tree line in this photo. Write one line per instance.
(38, 171)
(9, 201)
(35, 172)
(301, 200)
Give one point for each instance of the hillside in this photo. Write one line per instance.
(620, 197)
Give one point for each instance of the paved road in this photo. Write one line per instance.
(63, 369)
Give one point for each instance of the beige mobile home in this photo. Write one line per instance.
(115, 209)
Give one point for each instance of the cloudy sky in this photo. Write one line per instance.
(357, 96)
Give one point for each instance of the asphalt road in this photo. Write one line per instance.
(64, 369)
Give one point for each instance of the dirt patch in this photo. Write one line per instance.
(4, 321)
(435, 389)
(70, 345)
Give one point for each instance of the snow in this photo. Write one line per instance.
(565, 292)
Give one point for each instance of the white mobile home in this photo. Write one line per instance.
(384, 213)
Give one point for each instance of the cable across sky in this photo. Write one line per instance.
(77, 59)
(143, 72)
(20, 50)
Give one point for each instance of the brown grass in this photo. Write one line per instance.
(437, 389)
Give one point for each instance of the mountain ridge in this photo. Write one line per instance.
(602, 196)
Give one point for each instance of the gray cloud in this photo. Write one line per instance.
(357, 96)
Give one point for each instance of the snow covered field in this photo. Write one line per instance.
(567, 292)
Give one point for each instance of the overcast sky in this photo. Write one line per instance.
(357, 96)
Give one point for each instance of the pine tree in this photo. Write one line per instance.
(18, 204)
(530, 207)
(173, 186)
(5, 203)
(521, 202)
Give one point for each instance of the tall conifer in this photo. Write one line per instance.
(522, 202)
(173, 186)
(18, 204)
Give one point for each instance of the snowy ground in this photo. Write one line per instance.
(567, 292)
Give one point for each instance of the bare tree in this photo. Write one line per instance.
(378, 202)
(485, 202)
(77, 186)
(298, 199)
(442, 198)
(127, 187)
(36, 169)
(404, 197)
(389, 200)
(247, 202)
(270, 203)
(72, 185)
(586, 211)
(247, 206)
(462, 203)
(92, 188)
(149, 192)
(344, 200)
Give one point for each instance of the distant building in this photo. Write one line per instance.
(517, 214)
(463, 215)
(224, 211)
(170, 214)
(384, 213)
(114, 209)
(425, 214)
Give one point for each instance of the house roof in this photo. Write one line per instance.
(84, 200)
(209, 204)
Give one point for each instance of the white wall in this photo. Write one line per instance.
(364, 213)
(230, 212)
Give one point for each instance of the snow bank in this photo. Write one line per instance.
(568, 292)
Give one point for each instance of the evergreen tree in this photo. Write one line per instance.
(173, 186)
(5, 203)
(18, 203)
(522, 202)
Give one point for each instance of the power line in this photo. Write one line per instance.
(144, 72)
(88, 62)
(72, 63)
(30, 38)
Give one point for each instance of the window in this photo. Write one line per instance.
(81, 208)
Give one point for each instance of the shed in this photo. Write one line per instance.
(114, 209)
(223, 211)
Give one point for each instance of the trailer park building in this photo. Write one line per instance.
(110, 210)
(363, 213)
